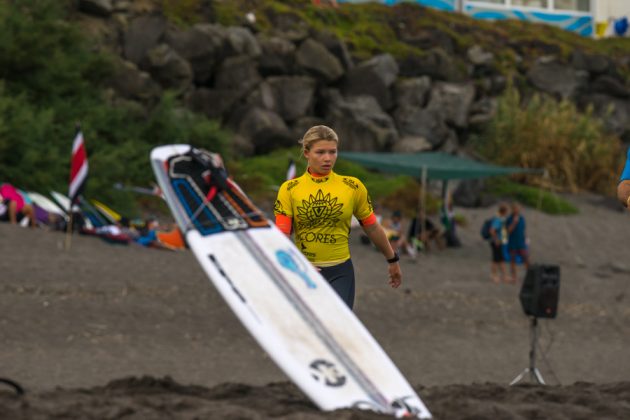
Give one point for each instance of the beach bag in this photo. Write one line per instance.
(485, 229)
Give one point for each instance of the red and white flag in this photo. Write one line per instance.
(78, 168)
(291, 171)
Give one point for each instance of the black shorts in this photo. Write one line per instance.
(497, 252)
(341, 278)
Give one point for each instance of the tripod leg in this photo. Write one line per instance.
(538, 377)
(519, 377)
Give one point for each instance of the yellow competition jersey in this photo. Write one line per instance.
(321, 209)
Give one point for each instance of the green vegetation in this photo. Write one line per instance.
(409, 29)
(50, 79)
(536, 198)
(542, 133)
(182, 12)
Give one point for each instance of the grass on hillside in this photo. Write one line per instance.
(536, 198)
(373, 28)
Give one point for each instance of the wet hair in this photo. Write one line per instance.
(317, 133)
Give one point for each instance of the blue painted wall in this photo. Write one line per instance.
(581, 23)
(448, 5)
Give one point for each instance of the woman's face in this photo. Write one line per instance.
(321, 156)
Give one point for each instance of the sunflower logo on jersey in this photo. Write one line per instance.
(318, 211)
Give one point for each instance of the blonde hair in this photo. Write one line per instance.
(317, 133)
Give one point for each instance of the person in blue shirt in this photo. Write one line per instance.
(623, 188)
(517, 239)
(498, 237)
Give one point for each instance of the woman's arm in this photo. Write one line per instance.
(378, 237)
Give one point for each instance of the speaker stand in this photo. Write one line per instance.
(533, 371)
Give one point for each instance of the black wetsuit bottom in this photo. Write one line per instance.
(341, 278)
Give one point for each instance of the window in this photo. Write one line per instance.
(580, 5)
(540, 4)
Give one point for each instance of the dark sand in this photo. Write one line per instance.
(113, 332)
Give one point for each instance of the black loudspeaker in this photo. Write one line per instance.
(540, 291)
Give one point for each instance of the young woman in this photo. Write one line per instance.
(318, 207)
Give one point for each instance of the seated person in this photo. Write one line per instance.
(149, 235)
(13, 208)
(425, 233)
(393, 230)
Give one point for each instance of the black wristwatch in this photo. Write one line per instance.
(394, 259)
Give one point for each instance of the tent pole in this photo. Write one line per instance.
(445, 202)
(422, 216)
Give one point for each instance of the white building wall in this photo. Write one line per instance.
(605, 9)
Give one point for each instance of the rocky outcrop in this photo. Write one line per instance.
(268, 88)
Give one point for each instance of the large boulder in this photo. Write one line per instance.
(412, 91)
(592, 63)
(478, 56)
(201, 46)
(143, 34)
(131, 83)
(337, 46)
(611, 86)
(241, 41)
(364, 81)
(238, 73)
(215, 104)
(435, 63)
(615, 112)
(263, 97)
(360, 122)
(425, 123)
(550, 75)
(278, 55)
(168, 68)
(452, 101)
(373, 77)
(293, 95)
(265, 129)
(316, 59)
(482, 112)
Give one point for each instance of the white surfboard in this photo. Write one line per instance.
(45, 203)
(282, 300)
(63, 201)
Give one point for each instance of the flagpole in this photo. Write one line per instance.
(78, 176)
(69, 230)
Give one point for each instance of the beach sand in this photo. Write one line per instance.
(104, 331)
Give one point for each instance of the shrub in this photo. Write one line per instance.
(533, 197)
(571, 146)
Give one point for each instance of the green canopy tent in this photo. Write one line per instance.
(431, 166)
